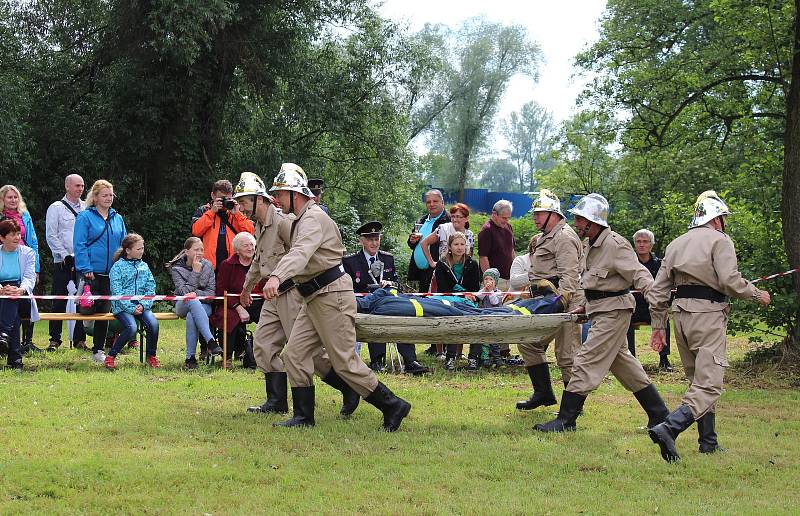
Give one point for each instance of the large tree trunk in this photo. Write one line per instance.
(790, 204)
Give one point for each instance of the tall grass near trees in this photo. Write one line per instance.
(78, 439)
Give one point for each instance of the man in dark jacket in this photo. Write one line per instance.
(427, 224)
(371, 268)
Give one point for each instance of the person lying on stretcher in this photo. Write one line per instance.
(542, 299)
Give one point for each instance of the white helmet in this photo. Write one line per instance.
(291, 178)
(708, 207)
(547, 201)
(250, 184)
(592, 207)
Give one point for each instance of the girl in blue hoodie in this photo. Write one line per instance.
(130, 276)
(98, 233)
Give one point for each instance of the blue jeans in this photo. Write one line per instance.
(128, 332)
(196, 315)
(9, 324)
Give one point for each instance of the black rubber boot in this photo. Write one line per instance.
(350, 398)
(302, 408)
(653, 405)
(394, 409)
(276, 395)
(664, 365)
(571, 407)
(542, 389)
(708, 434)
(664, 435)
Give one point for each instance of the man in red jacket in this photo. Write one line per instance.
(217, 222)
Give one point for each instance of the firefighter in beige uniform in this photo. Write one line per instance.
(277, 315)
(701, 265)
(610, 267)
(556, 259)
(327, 314)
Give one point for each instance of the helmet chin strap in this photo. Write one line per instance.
(291, 201)
(546, 221)
(585, 231)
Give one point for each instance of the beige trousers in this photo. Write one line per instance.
(702, 344)
(606, 349)
(329, 320)
(567, 343)
(274, 326)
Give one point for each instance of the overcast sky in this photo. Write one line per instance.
(561, 28)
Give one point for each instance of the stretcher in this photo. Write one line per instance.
(461, 329)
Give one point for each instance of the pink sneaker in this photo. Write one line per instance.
(110, 362)
(153, 362)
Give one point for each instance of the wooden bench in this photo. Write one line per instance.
(58, 316)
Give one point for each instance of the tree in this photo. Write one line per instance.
(530, 135)
(499, 175)
(488, 55)
(713, 84)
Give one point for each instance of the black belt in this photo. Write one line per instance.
(700, 292)
(286, 285)
(309, 287)
(594, 295)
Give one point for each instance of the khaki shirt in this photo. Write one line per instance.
(611, 265)
(272, 243)
(316, 246)
(558, 254)
(701, 256)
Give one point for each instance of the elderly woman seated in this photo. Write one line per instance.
(231, 275)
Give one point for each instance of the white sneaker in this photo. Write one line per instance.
(99, 357)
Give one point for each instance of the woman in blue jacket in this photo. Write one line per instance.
(98, 233)
(12, 206)
(130, 276)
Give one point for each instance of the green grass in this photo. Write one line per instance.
(78, 439)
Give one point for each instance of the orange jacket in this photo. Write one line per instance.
(206, 227)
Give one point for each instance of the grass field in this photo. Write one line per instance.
(78, 439)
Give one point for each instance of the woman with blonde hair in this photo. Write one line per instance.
(13, 207)
(457, 272)
(193, 276)
(99, 231)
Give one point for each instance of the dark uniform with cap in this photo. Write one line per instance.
(315, 185)
(369, 272)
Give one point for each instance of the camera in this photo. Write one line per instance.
(228, 203)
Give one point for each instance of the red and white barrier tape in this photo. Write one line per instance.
(220, 298)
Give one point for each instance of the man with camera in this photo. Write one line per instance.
(371, 268)
(217, 222)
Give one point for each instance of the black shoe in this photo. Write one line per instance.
(542, 388)
(571, 407)
(191, 363)
(16, 366)
(302, 408)
(431, 350)
(213, 348)
(350, 398)
(653, 405)
(394, 409)
(707, 434)
(378, 365)
(664, 435)
(276, 403)
(54, 345)
(450, 364)
(664, 364)
(472, 364)
(414, 367)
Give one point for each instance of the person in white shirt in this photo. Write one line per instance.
(59, 226)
